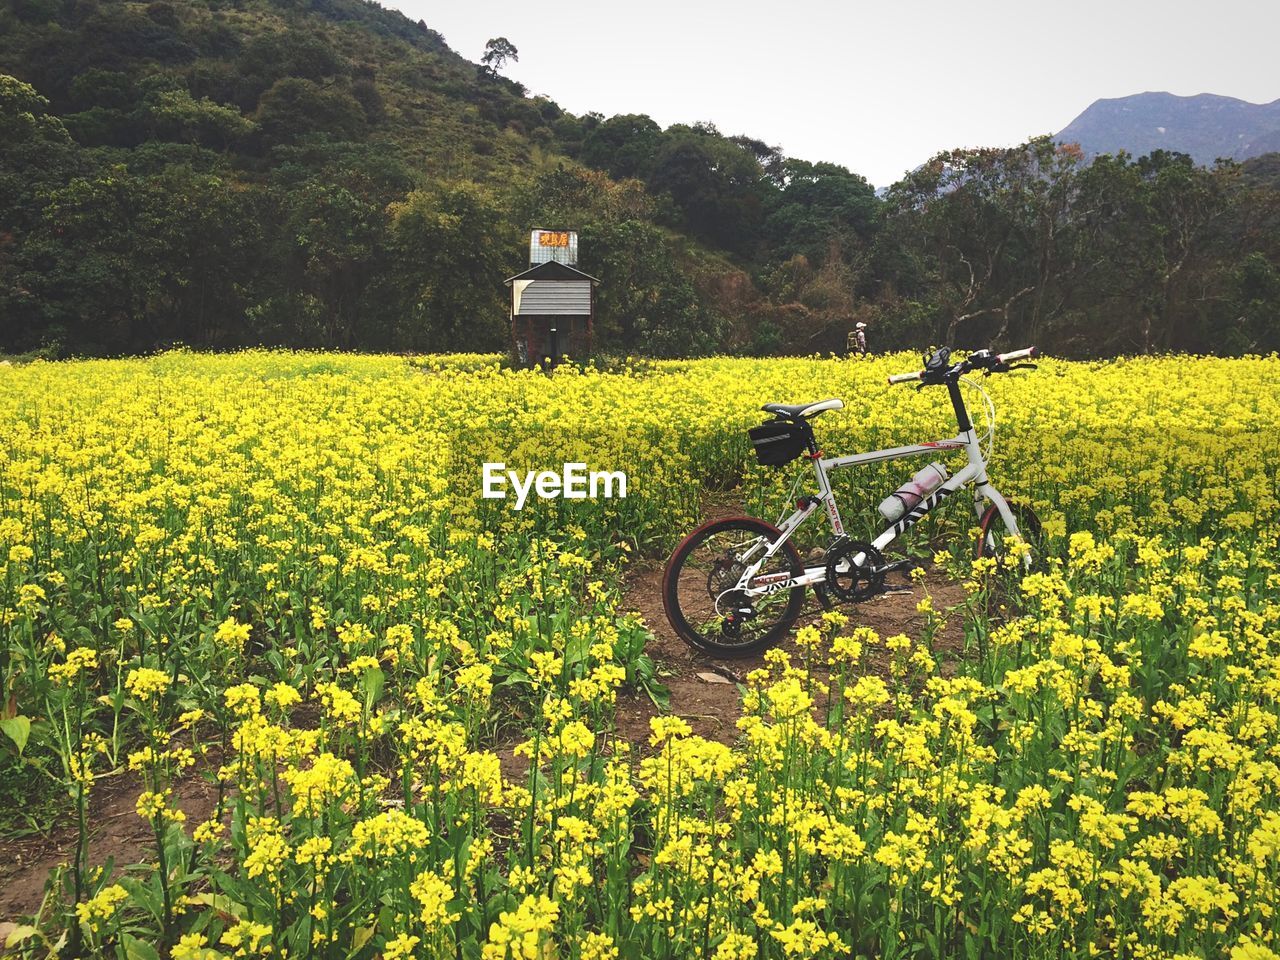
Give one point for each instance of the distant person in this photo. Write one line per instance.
(860, 339)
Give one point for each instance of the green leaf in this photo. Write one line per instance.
(135, 949)
(19, 935)
(362, 936)
(373, 681)
(577, 648)
(221, 904)
(17, 729)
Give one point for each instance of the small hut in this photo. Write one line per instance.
(553, 303)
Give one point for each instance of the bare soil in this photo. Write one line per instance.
(116, 833)
(705, 690)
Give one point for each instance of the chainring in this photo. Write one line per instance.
(851, 582)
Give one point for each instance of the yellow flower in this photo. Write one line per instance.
(665, 728)
(476, 681)
(246, 938)
(268, 851)
(80, 660)
(598, 946)
(400, 948)
(1249, 949)
(231, 634)
(243, 700)
(576, 739)
(434, 895)
(520, 933)
(194, 946)
(282, 696)
(152, 805)
(147, 684)
(102, 907)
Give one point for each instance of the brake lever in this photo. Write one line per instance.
(1006, 367)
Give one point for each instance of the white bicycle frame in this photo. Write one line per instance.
(974, 472)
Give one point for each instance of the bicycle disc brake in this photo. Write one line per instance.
(850, 581)
(725, 574)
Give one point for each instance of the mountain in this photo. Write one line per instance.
(1206, 126)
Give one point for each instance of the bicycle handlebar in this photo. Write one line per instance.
(1030, 353)
(937, 369)
(904, 377)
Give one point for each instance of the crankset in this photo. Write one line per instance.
(855, 571)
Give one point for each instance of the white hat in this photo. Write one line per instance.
(860, 325)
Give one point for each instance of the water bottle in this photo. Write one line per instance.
(913, 491)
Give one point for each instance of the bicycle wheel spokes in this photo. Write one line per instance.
(704, 592)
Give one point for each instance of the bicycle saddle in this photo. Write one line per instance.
(801, 411)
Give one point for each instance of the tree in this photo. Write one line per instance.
(625, 145)
(294, 108)
(37, 157)
(771, 159)
(820, 203)
(717, 186)
(92, 264)
(577, 196)
(269, 57)
(451, 245)
(496, 54)
(35, 152)
(984, 229)
(176, 115)
(645, 303)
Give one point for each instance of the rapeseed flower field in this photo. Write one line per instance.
(275, 571)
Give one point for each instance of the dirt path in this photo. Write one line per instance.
(702, 692)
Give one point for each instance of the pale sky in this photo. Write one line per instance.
(876, 86)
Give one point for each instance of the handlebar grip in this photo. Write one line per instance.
(1030, 353)
(904, 377)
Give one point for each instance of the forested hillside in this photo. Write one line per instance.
(331, 174)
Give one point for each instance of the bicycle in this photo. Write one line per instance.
(735, 586)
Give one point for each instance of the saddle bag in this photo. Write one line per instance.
(778, 442)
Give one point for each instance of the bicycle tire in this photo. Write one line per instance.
(708, 640)
(1029, 528)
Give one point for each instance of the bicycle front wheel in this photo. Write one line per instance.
(996, 540)
(700, 588)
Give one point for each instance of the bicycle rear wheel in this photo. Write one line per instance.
(698, 588)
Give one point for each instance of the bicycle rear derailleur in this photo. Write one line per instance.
(733, 605)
